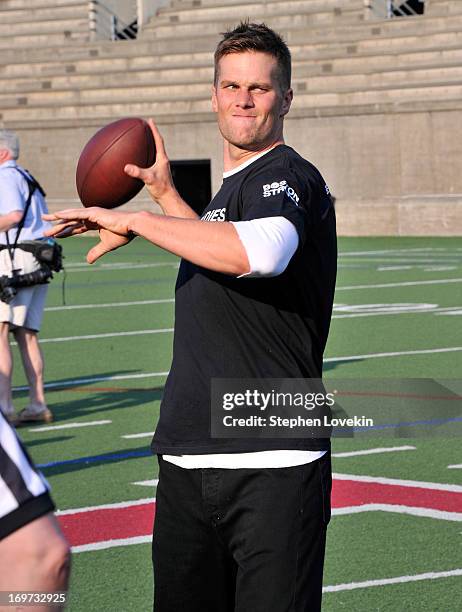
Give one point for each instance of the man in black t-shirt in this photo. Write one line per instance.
(240, 523)
(274, 309)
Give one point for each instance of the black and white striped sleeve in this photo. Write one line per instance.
(24, 492)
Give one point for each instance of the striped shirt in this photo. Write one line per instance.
(24, 492)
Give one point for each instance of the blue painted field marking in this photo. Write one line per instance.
(96, 458)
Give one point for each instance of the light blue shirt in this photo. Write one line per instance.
(14, 191)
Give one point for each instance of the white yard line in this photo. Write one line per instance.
(387, 308)
(374, 451)
(441, 281)
(424, 250)
(455, 467)
(141, 332)
(411, 309)
(147, 483)
(69, 426)
(100, 264)
(437, 486)
(146, 434)
(394, 354)
(349, 586)
(111, 544)
(405, 260)
(108, 305)
(390, 268)
(125, 504)
(378, 310)
(137, 332)
(436, 311)
(435, 268)
(441, 515)
(85, 381)
(123, 266)
(452, 312)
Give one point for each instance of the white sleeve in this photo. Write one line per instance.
(269, 243)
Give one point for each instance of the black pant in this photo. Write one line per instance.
(244, 540)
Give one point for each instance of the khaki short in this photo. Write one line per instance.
(26, 309)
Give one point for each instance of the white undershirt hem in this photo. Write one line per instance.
(255, 460)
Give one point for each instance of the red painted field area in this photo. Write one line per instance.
(352, 493)
(91, 526)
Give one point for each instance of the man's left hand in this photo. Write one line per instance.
(111, 225)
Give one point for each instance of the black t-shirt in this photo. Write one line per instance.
(274, 327)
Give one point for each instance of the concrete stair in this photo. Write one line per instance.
(294, 13)
(358, 36)
(37, 5)
(184, 68)
(165, 104)
(363, 55)
(42, 23)
(16, 18)
(183, 6)
(50, 26)
(44, 38)
(361, 86)
(442, 7)
(185, 81)
(187, 12)
(365, 65)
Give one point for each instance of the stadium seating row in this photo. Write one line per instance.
(389, 90)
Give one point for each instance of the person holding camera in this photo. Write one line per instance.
(23, 278)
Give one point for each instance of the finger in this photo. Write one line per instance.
(71, 231)
(49, 217)
(63, 227)
(96, 252)
(136, 172)
(161, 153)
(50, 232)
(69, 214)
(63, 217)
(62, 224)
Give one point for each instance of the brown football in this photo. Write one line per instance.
(100, 176)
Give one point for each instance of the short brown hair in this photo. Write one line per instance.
(256, 37)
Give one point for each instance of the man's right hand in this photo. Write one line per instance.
(157, 178)
(159, 182)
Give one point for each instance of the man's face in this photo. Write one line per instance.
(249, 100)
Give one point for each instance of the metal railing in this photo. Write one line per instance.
(389, 9)
(106, 25)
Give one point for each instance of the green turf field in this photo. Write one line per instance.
(397, 315)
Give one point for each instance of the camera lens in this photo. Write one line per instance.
(8, 294)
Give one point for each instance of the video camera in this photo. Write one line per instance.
(9, 285)
(48, 253)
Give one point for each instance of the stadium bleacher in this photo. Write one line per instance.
(377, 101)
(27, 24)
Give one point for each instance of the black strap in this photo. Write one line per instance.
(30, 247)
(32, 185)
